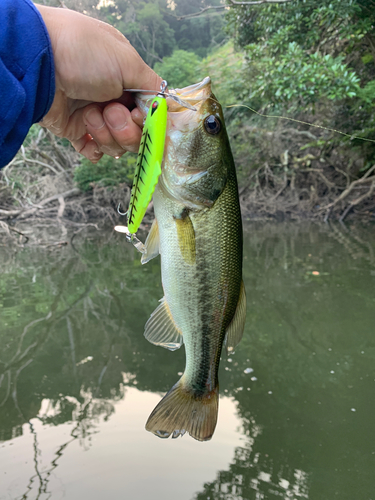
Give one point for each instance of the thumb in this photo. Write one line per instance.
(136, 73)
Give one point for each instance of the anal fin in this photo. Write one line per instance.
(152, 243)
(237, 325)
(161, 329)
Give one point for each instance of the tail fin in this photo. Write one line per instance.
(182, 411)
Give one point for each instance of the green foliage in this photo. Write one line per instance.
(313, 24)
(367, 93)
(153, 28)
(180, 69)
(200, 33)
(225, 67)
(301, 52)
(107, 172)
(149, 32)
(312, 60)
(296, 77)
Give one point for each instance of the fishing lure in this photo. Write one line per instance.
(150, 156)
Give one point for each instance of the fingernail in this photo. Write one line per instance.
(94, 118)
(116, 117)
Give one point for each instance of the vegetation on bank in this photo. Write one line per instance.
(293, 63)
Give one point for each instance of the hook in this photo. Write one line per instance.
(118, 210)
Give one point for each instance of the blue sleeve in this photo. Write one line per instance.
(27, 74)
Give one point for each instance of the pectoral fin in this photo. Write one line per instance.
(161, 329)
(237, 325)
(186, 238)
(151, 244)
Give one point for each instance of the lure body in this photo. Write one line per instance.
(150, 157)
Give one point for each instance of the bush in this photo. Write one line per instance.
(180, 69)
(107, 172)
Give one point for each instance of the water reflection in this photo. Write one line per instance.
(95, 457)
(78, 380)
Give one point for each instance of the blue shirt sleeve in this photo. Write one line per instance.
(27, 74)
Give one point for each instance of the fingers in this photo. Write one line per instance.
(88, 148)
(99, 128)
(137, 117)
(112, 128)
(111, 131)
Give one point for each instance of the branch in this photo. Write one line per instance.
(328, 183)
(144, 48)
(363, 180)
(67, 194)
(196, 14)
(30, 211)
(259, 2)
(233, 2)
(29, 160)
(345, 193)
(358, 200)
(8, 229)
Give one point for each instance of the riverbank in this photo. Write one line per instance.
(307, 193)
(40, 188)
(55, 221)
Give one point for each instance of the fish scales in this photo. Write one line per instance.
(206, 288)
(198, 220)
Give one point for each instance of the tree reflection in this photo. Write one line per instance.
(72, 341)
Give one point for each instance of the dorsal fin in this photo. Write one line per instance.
(161, 329)
(237, 325)
(152, 243)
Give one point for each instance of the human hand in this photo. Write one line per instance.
(93, 64)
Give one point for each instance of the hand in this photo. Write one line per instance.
(93, 64)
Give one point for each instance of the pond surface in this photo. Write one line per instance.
(297, 398)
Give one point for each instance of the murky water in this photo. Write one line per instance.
(78, 380)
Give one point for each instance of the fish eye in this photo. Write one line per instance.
(212, 125)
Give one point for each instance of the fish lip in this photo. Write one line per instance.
(193, 94)
(191, 90)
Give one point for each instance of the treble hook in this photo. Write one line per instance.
(118, 210)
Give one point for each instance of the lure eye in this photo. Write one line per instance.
(154, 106)
(212, 125)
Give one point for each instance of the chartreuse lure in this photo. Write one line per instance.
(150, 157)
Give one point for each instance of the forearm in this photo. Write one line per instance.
(27, 83)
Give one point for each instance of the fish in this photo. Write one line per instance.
(198, 232)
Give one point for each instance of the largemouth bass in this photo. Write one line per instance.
(198, 232)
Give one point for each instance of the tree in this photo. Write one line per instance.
(180, 69)
(305, 50)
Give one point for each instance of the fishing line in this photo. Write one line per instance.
(300, 121)
(263, 115)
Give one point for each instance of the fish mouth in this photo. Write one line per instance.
(194, 95)
(183, 119)
(192, 90)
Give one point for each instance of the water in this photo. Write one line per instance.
(78, 379)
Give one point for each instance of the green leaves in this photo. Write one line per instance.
(180, 69)
(107, 172)
(302, 52)
(296, 78)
